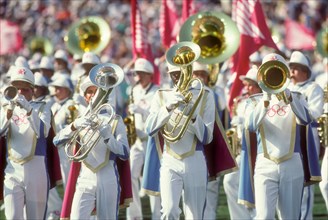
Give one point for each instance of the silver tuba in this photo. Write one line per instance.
(105, 77)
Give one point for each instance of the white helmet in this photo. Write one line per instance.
(62, 55)
(90, 58)
(299, 58)
(197, 66)
(143, 65)
(274, 57)
(250, 75)
(40, 80)
(46, 63)
(172, 68)
(22, 74)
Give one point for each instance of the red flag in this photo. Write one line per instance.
(140, 45)
(298, 36)
(169, 23)
(188, 8)
(11, 40)
(250, 19)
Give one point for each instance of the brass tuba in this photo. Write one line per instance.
(182, 54)
(273, 77)
(216, 34)
(38, 44)
(105, 77)
(90, 34)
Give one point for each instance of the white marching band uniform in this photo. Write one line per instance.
(26, 180)
(231, 180)
(98, 179)
(142, 99)
(278, 174)
(183, 166)
(313, 94)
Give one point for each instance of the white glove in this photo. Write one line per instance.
(266, 96)
(173, 99)
(23, 103)
(81, 122)
(106, 131)
(237, 120)
(133, 108)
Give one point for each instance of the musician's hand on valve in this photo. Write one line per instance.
(266, 99)
(81, 122)
(106, 132)
(23, 103)
(288, 94)
(173, 99)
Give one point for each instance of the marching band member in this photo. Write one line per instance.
(142, 94)
(63, 88)
(178, 168)
(41, 93)
(201, 72)
(231, 180)
(98, 182)
(279, 172)
(26, 124)
(300, 70)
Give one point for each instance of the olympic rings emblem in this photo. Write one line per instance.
(277, 109)
(19, 120)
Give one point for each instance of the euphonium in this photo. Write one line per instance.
(216, 34)
(322, 41)
(183, 54)
(90, 34)
(273, 77)
(105, 77)
(129, 122)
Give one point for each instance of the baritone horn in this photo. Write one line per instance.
(216, 34)
(183, 55)
(106, 77)
(273, 77)
(90, 34)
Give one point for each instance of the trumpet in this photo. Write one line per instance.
(10, 93)
(323, 121)
(105, 77)
(183, 54)
(273, 77)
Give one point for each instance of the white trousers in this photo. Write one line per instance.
(231, 187)
(54, 204)
(65, 165)
(212, 197)
(134, 211)
(99, 190)
(278, 185)
(188, 175)
(324, 174)
(26, 185)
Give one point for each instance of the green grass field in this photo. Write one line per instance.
(319, 210)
